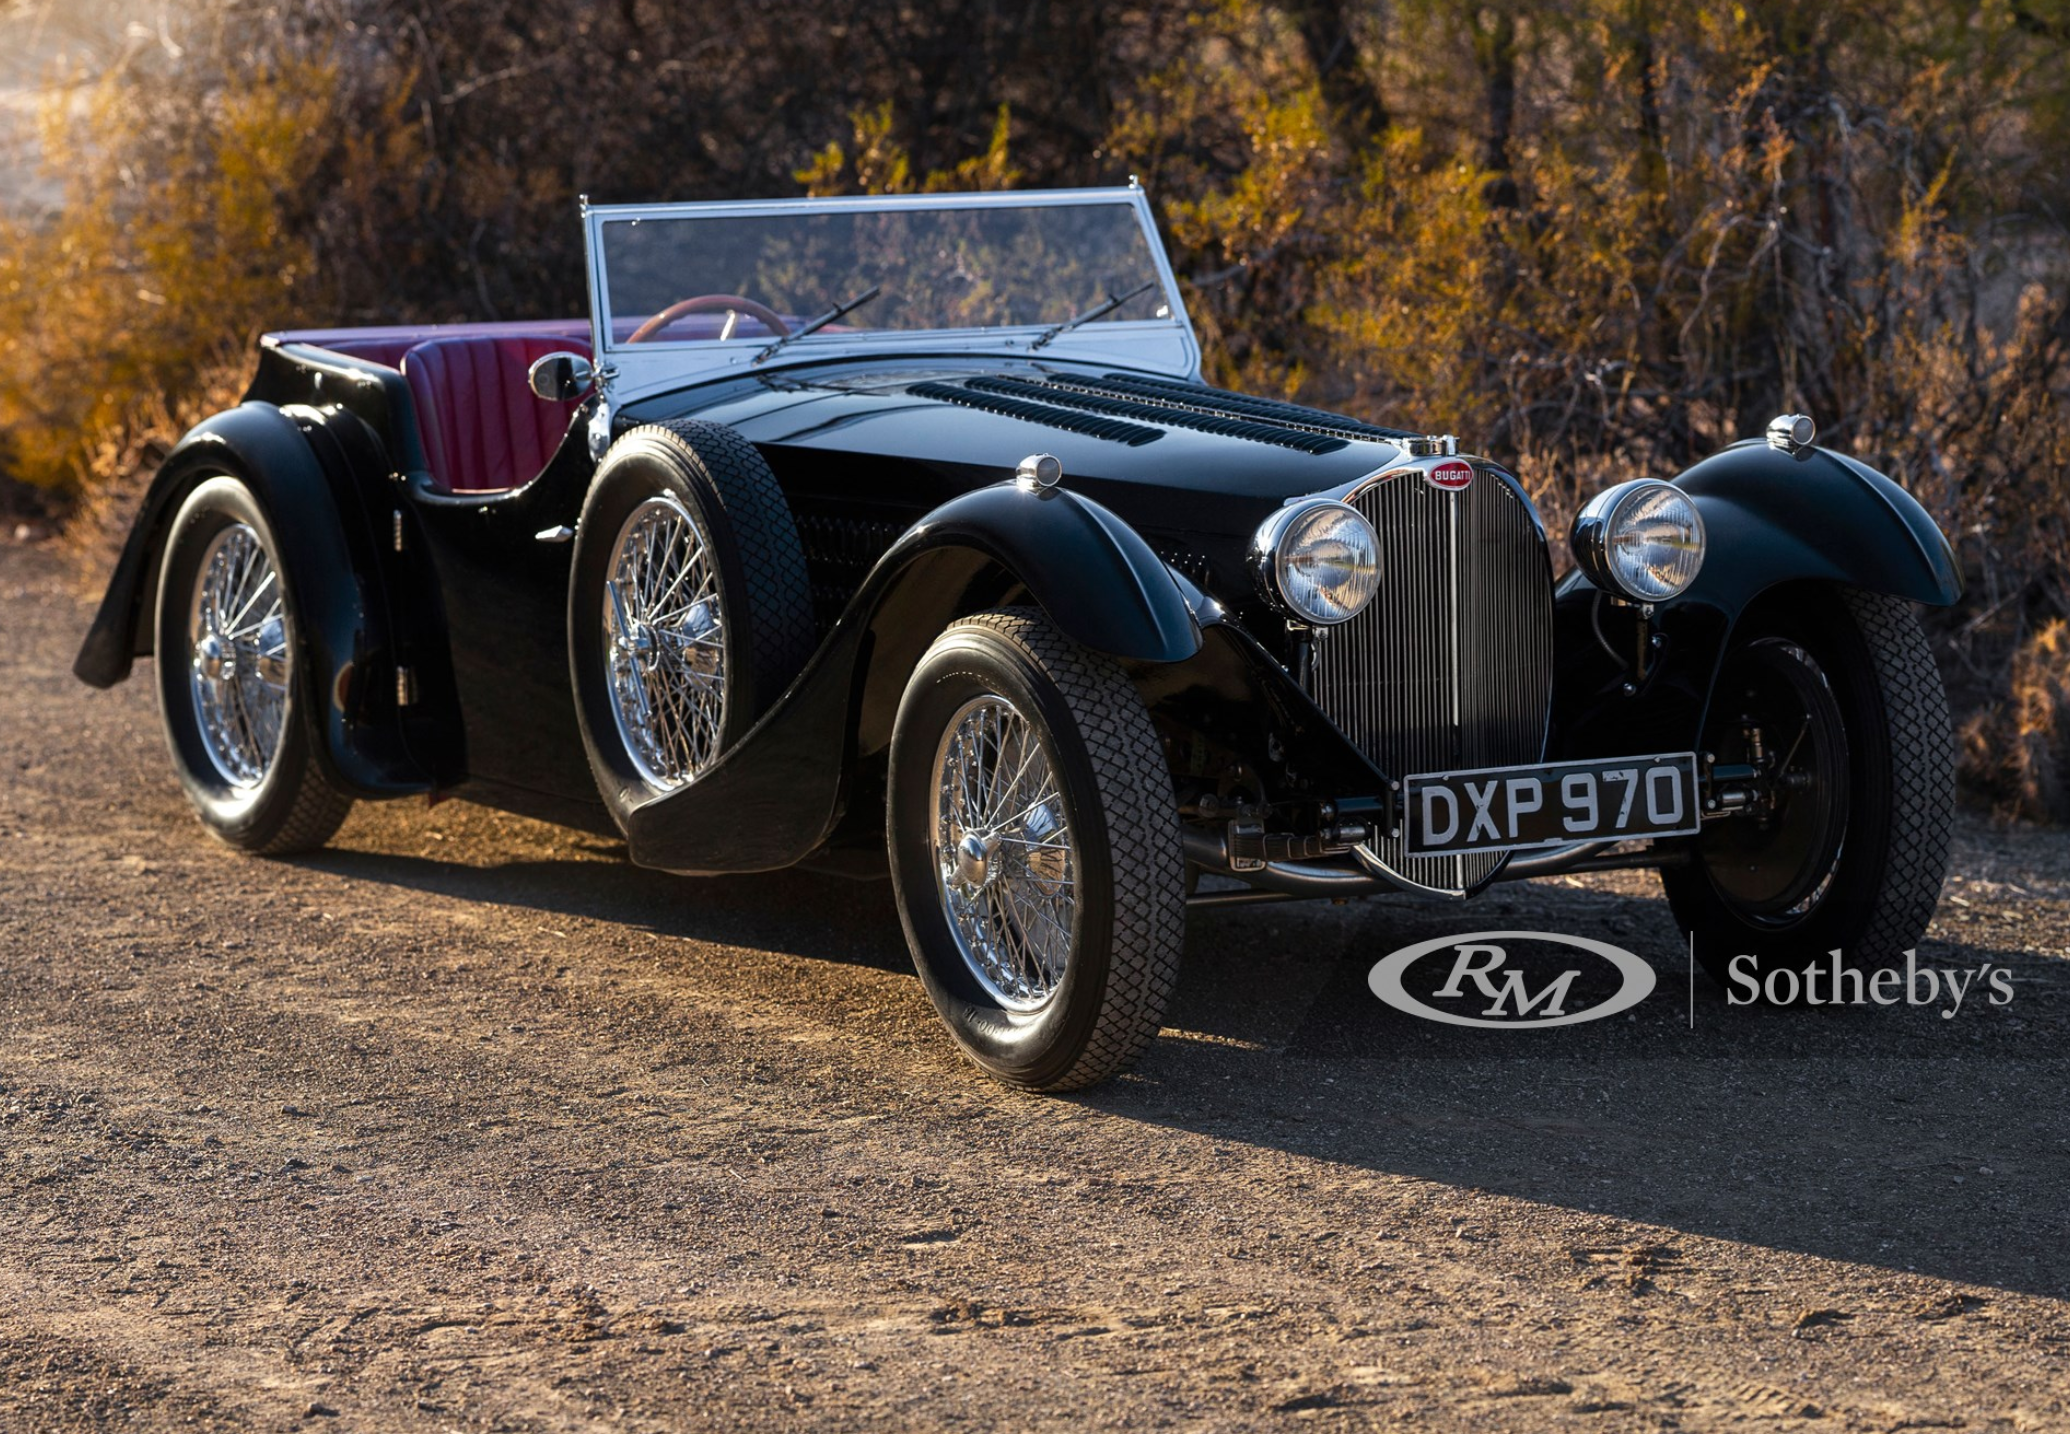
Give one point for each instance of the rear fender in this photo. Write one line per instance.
(336, 593)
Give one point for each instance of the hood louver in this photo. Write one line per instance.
(1127, 408)
(1115, 430)
(1068, 394)
(1200, 398)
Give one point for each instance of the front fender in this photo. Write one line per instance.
(1772, 520)
(1774, 517)
(1092, 573)
(338, 607)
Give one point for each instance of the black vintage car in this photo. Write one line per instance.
(901, 533)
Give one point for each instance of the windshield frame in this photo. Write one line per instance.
(1165, 346)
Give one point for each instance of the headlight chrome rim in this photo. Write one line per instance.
(1603, 545)
(1277, 546)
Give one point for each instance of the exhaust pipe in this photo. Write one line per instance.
(1209, 851)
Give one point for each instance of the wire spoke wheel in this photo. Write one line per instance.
(665, 643)
(1004, 854)
(240, 658)
(1035, 850)
(234, 676)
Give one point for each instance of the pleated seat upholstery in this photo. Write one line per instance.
(483, 428)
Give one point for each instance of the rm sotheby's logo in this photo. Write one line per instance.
(1483, 987)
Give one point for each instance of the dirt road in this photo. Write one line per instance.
(466, 1124)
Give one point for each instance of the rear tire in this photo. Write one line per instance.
(234, 691)
(1035, 852)
(1867, 887)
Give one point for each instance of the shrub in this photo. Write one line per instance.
(1595, 238)
(192, 219)
(1604, 240)
(116, 462)
(2016, 751)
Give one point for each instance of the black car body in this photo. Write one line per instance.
(432, 617)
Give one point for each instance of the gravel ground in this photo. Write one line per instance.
(466, 1124)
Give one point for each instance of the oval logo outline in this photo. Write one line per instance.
(1454, 475)
(1385, 980)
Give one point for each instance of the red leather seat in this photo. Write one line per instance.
(483, 428)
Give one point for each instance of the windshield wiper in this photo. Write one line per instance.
(1100, 310)
(813, 326)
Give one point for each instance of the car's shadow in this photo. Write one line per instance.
(1895, 1136)
(1889, 1136)
(798, 913)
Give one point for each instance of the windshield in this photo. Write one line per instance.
(745, 278)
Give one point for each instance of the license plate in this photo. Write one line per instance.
(1514, 808)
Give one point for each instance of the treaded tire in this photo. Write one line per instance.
(294, 808)
(1130, 923)
(769, 629)
(1901, 797)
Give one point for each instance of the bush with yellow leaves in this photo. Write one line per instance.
(1596, 239)
(195, 214)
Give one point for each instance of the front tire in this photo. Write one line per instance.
(1852, 859)
(1035, 852)
(234, 692)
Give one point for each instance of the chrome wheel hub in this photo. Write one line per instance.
(974, 861)
(212, 658)
(239, 657)
(1004, 857)
(665, 643)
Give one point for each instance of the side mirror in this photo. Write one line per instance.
(561, 378)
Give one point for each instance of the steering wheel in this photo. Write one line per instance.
(705, 303)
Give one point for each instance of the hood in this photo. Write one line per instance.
(1163, 453)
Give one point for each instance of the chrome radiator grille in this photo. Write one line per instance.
(1450, 666)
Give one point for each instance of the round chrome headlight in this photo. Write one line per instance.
(1641, 540)
(1319, 560)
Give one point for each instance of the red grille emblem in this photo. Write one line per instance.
(1453, 475)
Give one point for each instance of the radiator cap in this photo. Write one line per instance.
(1430, 445)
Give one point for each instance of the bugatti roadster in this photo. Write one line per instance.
(901, 536)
